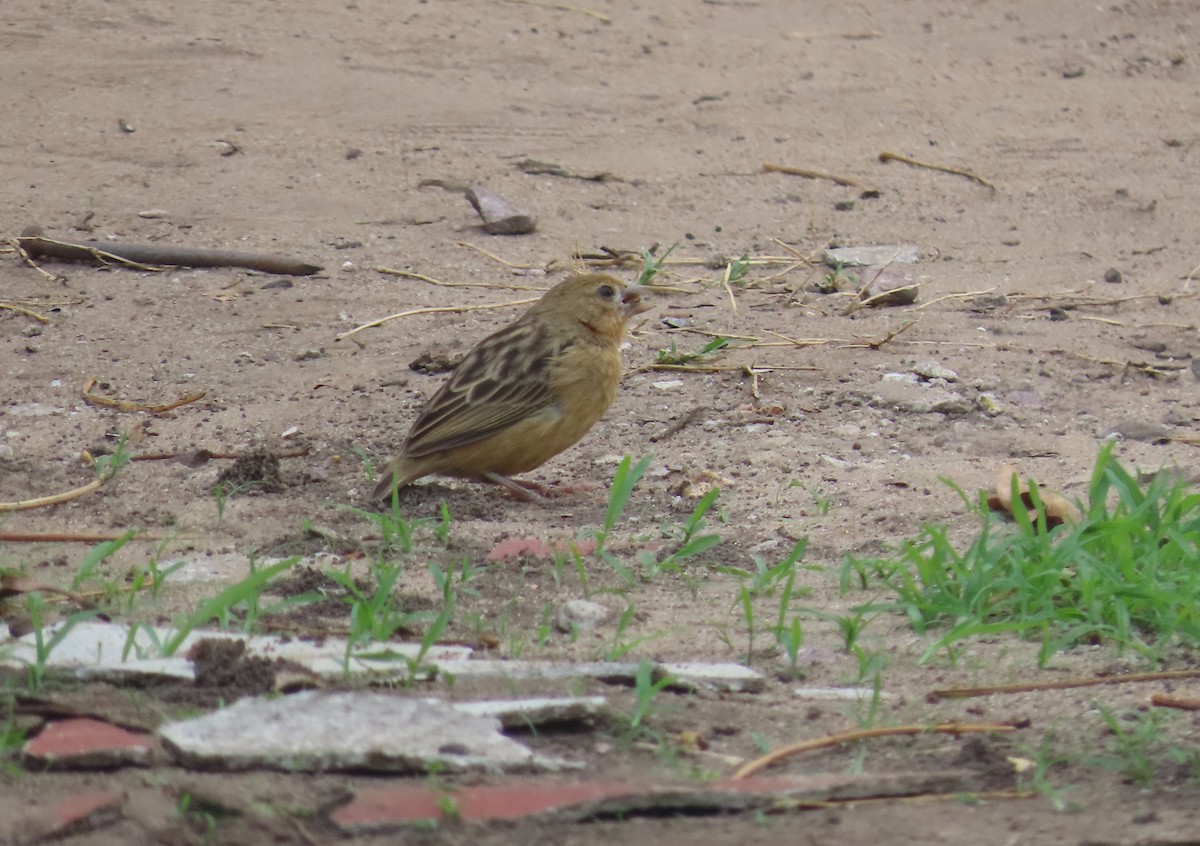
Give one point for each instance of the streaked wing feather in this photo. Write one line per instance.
(504, 380)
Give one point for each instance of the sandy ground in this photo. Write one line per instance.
(307, 131)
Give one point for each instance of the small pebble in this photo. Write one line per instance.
(1057, 314)
(1113, 276)
(581, 615)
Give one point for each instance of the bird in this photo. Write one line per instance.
(525, 393)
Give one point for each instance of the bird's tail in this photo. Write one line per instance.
(396, 474)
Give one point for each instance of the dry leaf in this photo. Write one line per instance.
(1058, 508)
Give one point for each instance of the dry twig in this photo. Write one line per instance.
(434, 310)
(421, 277)
(127, 405)
(895, 157)
(66, 496)
(563, 7)
(810, 174)
(1065, 684)
(770, 758)
(151, 257)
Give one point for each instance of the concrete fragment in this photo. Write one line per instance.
(529, 713)
(605, 671)
(317, 731)
(851, 694)
(108, 651)
(727, 678)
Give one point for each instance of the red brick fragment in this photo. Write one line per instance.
(514, 548)
(84, 743)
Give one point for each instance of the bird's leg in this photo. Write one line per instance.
(527, 491)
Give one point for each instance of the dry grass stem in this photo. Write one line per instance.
(767, 760)
(421, 277)
(810, 174)
(896, 157)
(434, 310)
(126, 405)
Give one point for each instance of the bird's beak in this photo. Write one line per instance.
(633, 303)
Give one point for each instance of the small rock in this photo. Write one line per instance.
(734, 678)
(914, 398)
(667, 385)
(988, 302)
(933, 370)
(1113, 276)
(875, 255)
(673, 322)
(1149, 345)
(309, 355)
(581, 615)
(1057, 314)
(154, 214)
(500, 217)
(890, 286)
(1140, 430)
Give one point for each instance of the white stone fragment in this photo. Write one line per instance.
(525, 713)
(734, 678)
(108, 651)
(316, 731)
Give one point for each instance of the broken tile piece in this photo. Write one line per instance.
(55, 818)
(85, 743)
(316, 731)
(729, 678)
(383, 808)
(527, 713)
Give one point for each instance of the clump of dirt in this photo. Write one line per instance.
(223, 663)
(258, 470)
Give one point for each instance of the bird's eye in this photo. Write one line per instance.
(606, 292)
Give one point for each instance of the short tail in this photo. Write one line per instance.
(387, 482)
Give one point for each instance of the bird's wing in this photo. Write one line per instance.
(503, 380)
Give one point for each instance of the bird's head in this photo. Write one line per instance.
(602, 303)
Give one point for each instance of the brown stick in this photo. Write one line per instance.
(31, 314)
(1183, 703)
(896, 157)
(1066, 684)
(765, 761)
(74, 537)
(810, 174)
(55, 499)
(147, 255)
(128, 405)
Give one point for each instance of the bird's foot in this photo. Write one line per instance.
(525, 491)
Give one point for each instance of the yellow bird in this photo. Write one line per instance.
(525, 393)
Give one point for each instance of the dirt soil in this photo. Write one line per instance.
(307, 131)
